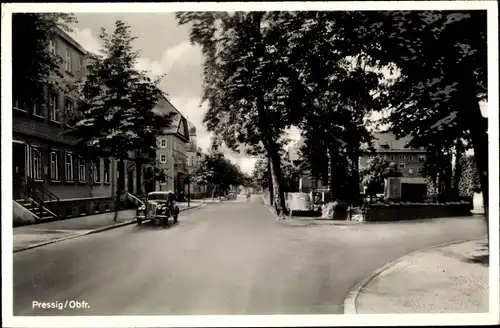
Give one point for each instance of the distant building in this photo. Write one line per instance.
(410, 161)
(193, 155)
(171, 153)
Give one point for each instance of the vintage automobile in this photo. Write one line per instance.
(160, 206)
(298, 202)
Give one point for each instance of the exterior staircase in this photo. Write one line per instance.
(39, 201)
(42, 212)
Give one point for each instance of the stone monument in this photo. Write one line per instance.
(392, 182)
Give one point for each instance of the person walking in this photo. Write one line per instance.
(248, 197)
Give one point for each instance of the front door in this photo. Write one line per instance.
(121, 176)
(18, 169)
(130, 182)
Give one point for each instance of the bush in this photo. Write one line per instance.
(469, 181)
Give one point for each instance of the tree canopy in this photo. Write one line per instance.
(214, 169)
(33, 60)
(115, 114)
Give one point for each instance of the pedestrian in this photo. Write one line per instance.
(248, 197)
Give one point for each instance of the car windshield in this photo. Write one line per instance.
(160, 197)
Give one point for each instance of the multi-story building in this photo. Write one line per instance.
(409, 161)
(45, 164)
(171, 154)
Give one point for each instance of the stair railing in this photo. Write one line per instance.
(39, 193)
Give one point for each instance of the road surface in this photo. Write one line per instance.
(227, 258)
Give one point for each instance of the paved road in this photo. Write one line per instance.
(228, 258)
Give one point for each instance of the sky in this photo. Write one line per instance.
(165, 49)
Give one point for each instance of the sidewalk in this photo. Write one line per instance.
(36, 235)
(448, 279)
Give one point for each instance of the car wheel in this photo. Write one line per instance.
(176, 217)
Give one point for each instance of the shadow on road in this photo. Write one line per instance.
(151, 226)
(481, 255)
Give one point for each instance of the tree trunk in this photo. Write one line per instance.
(278, 195)
(118, 191)
(457, 170)
(353, 183)
(270, 183)
(477, 125)
(268, 139)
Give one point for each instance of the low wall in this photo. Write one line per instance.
(70, 208)
(21, 216)
(412, 211)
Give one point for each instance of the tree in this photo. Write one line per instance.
(215, 170)
(470, 181)
(260, 174)
(247, 82)
(115, 114)
(372, 176)
(33, 62)
(441, 56)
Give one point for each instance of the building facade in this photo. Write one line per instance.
(410, 161)
(171, 153)
(42, 157)
(194, 154)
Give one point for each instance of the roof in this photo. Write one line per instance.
(387, 142)
(71, 41)
(179, 125)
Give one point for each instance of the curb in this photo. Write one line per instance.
(352, 296)
(105, 228)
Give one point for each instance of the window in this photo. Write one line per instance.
(421, 158)
(420, 170)
(163, 143)
(97, 170)
(36, 164)
(52, 46)
(68, 107)
(80, 64)
(68, 167)
(82, 177)
(106, 170)
(163, 158)
(410, 158)
(67, 62)
(20, 105)
(402, 165)
(410, 171)
(37, 110)
(53, 110)
(54, 166)
(392, 157)
(401, 157)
